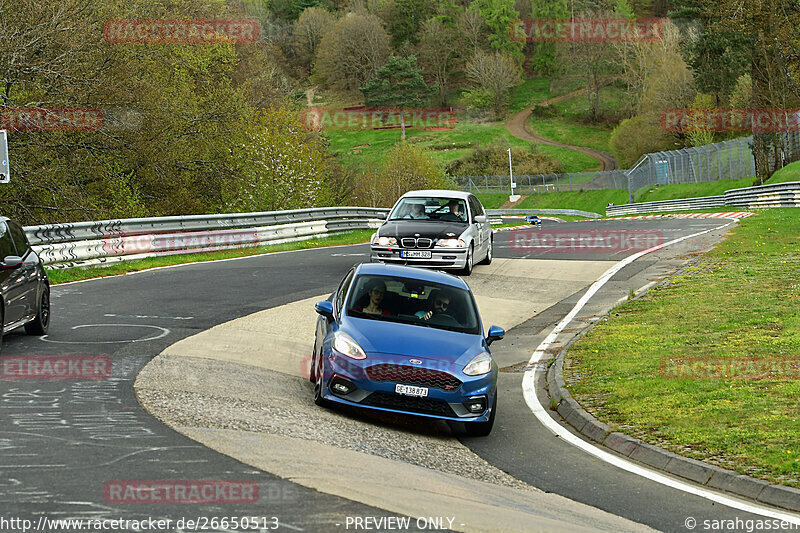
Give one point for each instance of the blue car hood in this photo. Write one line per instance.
(377, 337)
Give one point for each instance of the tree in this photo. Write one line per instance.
(498, 16)
(405, 19)
(398, 84)
(282, 167)
(498, 73)
(352, 51)
(593, 61)
(472, 26)
(639, 135)
(308, 32)
(544, 55)
(439, 54)
(771, 26)
(655, 70)
(408, 168)
(717, 52)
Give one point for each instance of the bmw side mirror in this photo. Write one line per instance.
(324, 308)
(495, 334)
(382, 216)
(12, 261)
(480, 219)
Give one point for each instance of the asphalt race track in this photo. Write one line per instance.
(64, 441)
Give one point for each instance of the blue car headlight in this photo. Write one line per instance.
(480, 364)
(345, 345)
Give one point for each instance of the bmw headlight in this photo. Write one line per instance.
(450, 243)
(384, 241)
(345, 345)
(480, 364)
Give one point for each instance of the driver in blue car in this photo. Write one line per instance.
(440, 301)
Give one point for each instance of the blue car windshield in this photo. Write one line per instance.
(412, 301)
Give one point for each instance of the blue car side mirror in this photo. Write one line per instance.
(495, 334)
(324, 308)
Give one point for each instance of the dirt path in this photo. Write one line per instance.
(518, 126)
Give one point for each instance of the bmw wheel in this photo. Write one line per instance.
(40, 324)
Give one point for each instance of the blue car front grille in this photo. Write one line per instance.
(413, 375)
(409, 403)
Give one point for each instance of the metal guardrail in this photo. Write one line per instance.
(726, 160)
(105, 241)
(761, 196)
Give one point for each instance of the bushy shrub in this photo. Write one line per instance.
(493, 160)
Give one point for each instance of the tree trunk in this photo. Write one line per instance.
(402, 125)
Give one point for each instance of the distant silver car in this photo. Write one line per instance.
(435, 228)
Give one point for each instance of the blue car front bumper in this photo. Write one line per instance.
(372, 384)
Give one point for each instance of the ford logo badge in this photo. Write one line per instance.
(415, 361)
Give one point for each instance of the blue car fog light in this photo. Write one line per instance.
(342, 386)
(476, 404)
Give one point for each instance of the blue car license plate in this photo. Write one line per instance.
(410, 390)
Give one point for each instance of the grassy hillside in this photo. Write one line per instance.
(534, 90)
(790, 172)
(655, 193)
(569, 125)
(594, 201)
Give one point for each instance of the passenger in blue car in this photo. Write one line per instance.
(439, 302)
(376, 290)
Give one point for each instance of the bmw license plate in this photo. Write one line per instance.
(415, 254)
(410, 390)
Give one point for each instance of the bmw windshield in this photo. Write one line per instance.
(430, 208)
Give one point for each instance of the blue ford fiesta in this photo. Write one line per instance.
(406, 340)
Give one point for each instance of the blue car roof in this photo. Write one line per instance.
(433, 276)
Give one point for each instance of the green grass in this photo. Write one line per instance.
(57, 275)
(738, 302)
(654, 193)
(593, 201)
(534, 90)
(463, 138)
(570, 124)
(790, 172)
(573, 161)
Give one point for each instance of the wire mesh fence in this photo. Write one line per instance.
(726, 160)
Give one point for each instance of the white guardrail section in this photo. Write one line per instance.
(763, 196)
(105, 241)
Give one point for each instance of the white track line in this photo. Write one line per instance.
(529, 392)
